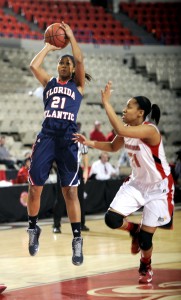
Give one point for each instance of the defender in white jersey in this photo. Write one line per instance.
(150, 184)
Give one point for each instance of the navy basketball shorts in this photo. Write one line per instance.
(48, 149)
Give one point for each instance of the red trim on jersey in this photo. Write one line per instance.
(170, 203)
(32, 151)
(30, 180)
(154, 149)
(62, 82)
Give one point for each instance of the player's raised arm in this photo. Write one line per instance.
(78, 57)
(134, 108)
(36, 64)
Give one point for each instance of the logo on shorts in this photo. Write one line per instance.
(160, 219)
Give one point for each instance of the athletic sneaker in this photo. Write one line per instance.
(135, 248)
(84, 228)
(56, 230)
(33, 240)
(146, 273)
(77, 257)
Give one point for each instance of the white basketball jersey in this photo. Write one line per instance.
(148, 163)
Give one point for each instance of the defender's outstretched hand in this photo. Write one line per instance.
(106, 93)
(80, 138)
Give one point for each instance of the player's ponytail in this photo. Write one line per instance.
(88, 77)
(145, 104)
(155, 113)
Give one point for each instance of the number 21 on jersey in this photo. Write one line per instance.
(58, 102)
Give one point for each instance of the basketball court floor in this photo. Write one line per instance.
(109, 270)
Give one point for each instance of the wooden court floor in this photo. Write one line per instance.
(109, 270)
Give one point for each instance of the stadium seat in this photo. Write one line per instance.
(160, 19)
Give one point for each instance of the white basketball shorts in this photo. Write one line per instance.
(156, 200)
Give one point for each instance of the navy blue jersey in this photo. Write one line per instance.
(54, 143)
(61, 106)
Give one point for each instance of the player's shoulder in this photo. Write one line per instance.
(151, 124)
(51, 82)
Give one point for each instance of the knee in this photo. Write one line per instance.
(34, 192)
(113, 219)
(145, 240)
(70, 193)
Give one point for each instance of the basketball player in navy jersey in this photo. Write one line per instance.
(62, 97)
(150, 184)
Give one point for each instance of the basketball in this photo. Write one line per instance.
(56, 36)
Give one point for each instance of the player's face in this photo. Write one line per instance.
(65, 68)
(132, 114)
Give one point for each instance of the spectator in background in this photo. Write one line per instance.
(110, 136)
(123, 163)
(102, 168)
(5, 157)
(79, 125)
(27, 154)
(22, 176)
(96, 134)
(123, 159)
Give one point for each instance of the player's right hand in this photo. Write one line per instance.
(52, 47)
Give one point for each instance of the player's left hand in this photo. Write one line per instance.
(106, 93)
(79, 138)
(67, 29)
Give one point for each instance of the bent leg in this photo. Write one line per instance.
(127, 200)
(145, 242)
(113, 219)
(116, 220)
